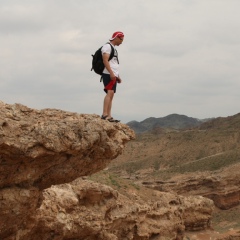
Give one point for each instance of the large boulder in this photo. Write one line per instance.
(50, 146)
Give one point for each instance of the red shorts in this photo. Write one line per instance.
(108, 83)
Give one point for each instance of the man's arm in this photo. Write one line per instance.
(105, 57)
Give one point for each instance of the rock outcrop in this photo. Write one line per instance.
(88, 210)
(46, 147)
(221, 186)
(40, 148)
(43, 151)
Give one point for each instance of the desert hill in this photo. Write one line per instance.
(174, 121)
(163, 151)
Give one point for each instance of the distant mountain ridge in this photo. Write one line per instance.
(174, 121)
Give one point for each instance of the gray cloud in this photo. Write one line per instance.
(177, 56)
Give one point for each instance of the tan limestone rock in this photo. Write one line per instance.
(40, 148)
(88, 210)
(197, 213)
(45, 147)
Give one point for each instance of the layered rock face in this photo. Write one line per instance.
(221, 186)
(88, 210)
(42, 148)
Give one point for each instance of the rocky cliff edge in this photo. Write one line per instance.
(46, 147)
(43, 151)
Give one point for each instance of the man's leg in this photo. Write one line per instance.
(107, 104)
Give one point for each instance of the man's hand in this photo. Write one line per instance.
(119, 80)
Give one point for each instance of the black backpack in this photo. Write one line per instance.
(97, 61)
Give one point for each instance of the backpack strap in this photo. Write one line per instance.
(112, 53)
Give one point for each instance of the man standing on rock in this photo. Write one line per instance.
(110, 74)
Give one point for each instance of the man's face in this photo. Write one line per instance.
(119, 40)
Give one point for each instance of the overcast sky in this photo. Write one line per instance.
(178, 56)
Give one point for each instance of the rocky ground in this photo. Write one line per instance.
(62, 177)
(225, 224)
